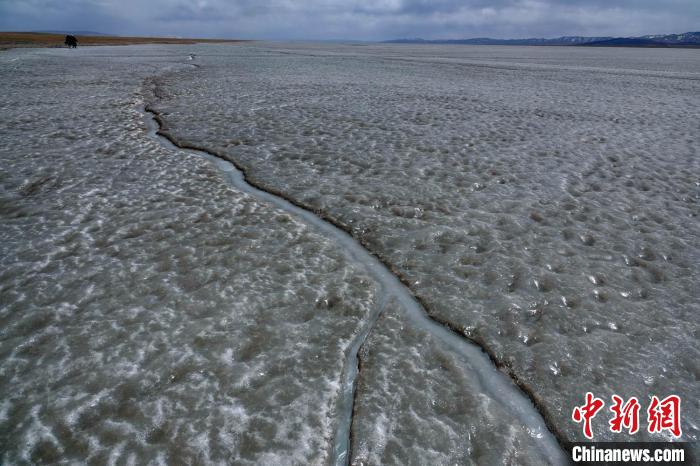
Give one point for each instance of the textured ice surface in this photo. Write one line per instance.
(149, 313)
(416, 404)
(152, 314)
(493, 397)
(516, 426)
(544, 200)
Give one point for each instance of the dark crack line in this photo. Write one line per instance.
(342, 445)
(524, 388)
(343, 439)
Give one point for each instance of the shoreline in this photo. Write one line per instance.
(11, 40)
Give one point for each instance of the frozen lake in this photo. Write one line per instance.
(542, 203)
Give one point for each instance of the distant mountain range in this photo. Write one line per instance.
(688, 39)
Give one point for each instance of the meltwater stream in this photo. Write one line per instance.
(499, 386)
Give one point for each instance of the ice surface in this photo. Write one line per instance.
(543, 200)
(494, 393)
(416, 404)
(149, 312)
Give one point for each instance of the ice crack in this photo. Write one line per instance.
(512, 393)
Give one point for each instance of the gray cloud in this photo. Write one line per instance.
(355, 19)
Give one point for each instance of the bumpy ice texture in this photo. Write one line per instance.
(542, 200)
(149, 312)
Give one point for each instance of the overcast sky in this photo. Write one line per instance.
(354, 19)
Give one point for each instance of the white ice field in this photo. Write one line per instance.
(523, 229)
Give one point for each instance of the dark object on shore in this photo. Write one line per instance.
(71, 42)
(36, 39)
